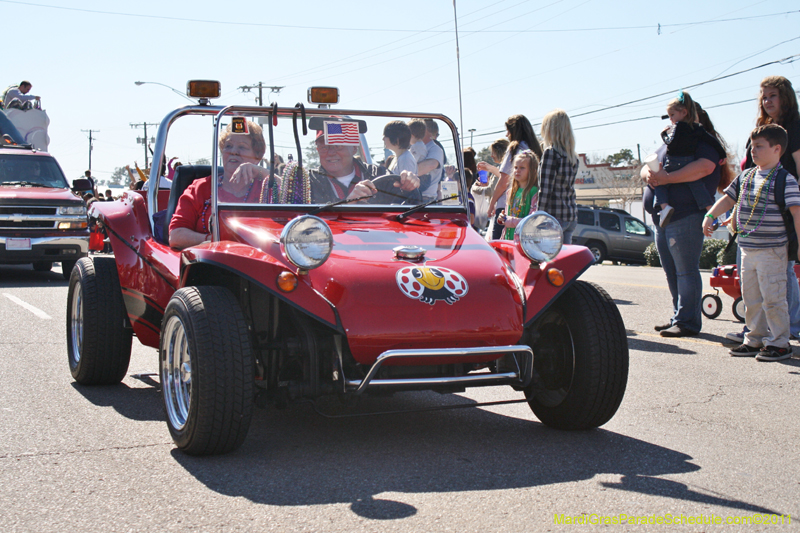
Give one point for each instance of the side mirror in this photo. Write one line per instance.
(81, 184)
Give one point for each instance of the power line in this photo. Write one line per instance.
(381, 30)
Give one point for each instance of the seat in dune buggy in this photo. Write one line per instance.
(184, 176)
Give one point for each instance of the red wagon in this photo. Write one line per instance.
(727, 278)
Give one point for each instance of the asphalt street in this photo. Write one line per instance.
(699, 434)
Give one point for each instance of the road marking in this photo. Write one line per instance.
(632, 284)
(35, 310)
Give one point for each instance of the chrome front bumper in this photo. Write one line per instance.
(519, 371)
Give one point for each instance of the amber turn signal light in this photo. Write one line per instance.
(323, 95)
(287, 281)
(203, 88)
(555, 277)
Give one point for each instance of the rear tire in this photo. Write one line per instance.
(98, 341)
(711, 305)
(580, 360)
(598, 250)
(207, 370)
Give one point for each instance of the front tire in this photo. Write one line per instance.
(42, 266)
(98, 340)
(207, 370)
(580, 360)
(66, 268)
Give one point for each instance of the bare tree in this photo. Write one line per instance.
(622, 184)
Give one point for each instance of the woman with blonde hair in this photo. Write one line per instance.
(557, 172)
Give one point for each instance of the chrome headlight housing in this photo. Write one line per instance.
(539, 236)
(307, 242)
(72, 210)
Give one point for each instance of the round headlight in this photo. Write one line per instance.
(307, 242)
(539, 235)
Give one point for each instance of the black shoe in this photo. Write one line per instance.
(773, 353)
(744, 350)
(678, 331)
(662, 327)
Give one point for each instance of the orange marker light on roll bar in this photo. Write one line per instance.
(555, 277)
(287, 281)
(323, 95)
(203, 88)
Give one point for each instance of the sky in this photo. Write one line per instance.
(612, 65)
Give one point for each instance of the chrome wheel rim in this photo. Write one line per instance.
(76, 322)
(596, 253)
(176, 372)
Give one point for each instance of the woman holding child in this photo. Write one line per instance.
(680, 242)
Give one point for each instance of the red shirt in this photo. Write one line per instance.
(194, 205)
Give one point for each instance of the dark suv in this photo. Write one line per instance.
(612, 234)
(41, 220)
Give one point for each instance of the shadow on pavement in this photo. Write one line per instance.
(639, 343)
(296, 458)
(25, 276)
(131, 402)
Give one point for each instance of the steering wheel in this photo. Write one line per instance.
(389, 194)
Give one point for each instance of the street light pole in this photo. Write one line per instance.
(176, 91)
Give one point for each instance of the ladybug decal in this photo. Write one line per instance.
(429, 284)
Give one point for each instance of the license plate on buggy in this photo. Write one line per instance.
(18, 244)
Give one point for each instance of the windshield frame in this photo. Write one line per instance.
(220, 113)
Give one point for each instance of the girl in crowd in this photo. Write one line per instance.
(522, 198)
(483, 191)
(521, 136)
(558, 170)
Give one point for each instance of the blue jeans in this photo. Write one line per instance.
(679, 245)
(568, 228)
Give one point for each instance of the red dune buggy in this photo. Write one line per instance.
(291, 298)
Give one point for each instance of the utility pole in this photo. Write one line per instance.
(91, 146)
(260, 86)
(471, 132)
(143, 140)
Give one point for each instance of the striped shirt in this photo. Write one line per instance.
(771, 233)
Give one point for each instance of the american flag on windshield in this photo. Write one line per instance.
(341, 133)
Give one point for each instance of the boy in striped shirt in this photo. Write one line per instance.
(763, 242)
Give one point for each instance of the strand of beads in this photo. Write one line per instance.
(296, 189)
(268, 195)
(743, 192)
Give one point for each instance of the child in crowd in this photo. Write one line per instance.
(417, 149)
(396, 137)
(681, 140)
(763, 243)
(523, 195)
